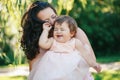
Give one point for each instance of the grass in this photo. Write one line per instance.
(106, 75)
(12, 66)
(13, 78)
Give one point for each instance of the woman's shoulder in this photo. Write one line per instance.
(81, 35)
(80, 31)
(37, 57)
(33, 62)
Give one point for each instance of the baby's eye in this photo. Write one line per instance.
(55, 29)
(62, 29)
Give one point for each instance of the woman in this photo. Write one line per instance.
(36, 15)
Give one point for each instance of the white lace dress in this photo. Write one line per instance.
(61, 62)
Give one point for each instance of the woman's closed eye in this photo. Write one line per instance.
(47, 20)
(53, 16)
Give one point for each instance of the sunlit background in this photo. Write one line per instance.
(100, 19)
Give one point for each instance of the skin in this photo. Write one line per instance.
(43, 15)
(62, 34)
(47, 15)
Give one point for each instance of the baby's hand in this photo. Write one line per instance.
(47, 26)
(98, 68)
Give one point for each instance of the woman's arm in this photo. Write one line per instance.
(38, 57)
(44, 41)
(85, 53)
(31, 62)
(83, 38)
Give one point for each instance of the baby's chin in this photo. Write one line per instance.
(60, 40)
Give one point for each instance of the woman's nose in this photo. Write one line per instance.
(52, 21)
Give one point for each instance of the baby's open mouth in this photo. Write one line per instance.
(59, 35)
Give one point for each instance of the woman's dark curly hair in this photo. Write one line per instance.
(32, 29)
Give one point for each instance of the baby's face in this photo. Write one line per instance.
(62, 32)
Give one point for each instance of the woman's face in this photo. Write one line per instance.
(47, 15)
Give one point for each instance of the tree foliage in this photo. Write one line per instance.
(98, 18)
(11, 12)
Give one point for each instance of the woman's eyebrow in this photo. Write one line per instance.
(53, 15)
(47, 19)
(55, 28)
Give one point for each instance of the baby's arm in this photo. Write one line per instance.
(44, 41)
(85, 53)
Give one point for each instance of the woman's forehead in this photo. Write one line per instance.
(46, 13)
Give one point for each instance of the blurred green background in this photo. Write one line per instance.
(100, 19)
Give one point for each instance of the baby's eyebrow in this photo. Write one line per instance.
(55, 28)
(61, 28)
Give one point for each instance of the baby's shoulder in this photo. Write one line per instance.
(75, 39)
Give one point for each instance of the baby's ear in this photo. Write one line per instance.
(72, 34)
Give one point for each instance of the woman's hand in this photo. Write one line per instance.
(97, 67)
